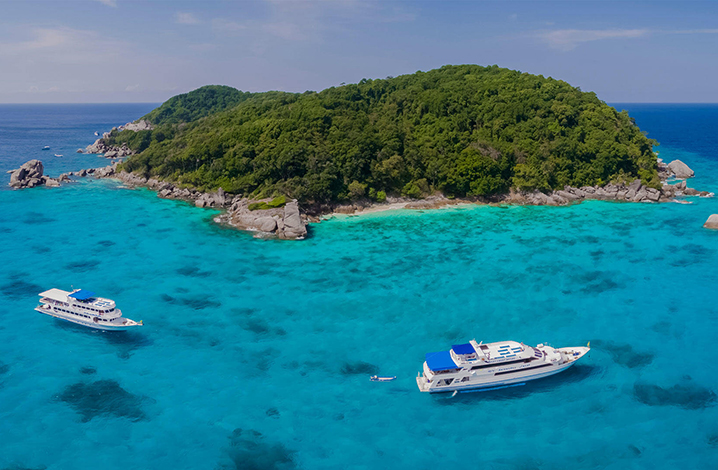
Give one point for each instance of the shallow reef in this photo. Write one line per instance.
(249, 450)
(689, 396)
(103, 398)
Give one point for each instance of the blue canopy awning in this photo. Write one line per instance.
(463, 348)
(440, 361)
(82, 294)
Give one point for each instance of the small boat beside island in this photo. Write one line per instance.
(47, 147)
(84, 308)
(475, 366)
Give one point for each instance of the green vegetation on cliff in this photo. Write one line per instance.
(463, 130)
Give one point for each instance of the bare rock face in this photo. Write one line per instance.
(712, 222)
(680, 169)
(283, 222)
(28, 175)
(294, 227)
(141, 125)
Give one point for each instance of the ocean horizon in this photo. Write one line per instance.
(256, 353)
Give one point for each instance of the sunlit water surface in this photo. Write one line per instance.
(257, 353)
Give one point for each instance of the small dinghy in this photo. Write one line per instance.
(58, 155)
(97, 133)
(378, 378)
(47, 147)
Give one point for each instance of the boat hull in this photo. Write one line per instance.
(96, 326)
(504, 381)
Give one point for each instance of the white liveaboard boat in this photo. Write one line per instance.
(84, 308)
(475, 366)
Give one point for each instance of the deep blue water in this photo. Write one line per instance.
(256, 354)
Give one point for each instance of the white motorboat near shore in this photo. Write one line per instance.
(474, 366)
(84, 308)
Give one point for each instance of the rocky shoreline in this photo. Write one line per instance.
(289, 221)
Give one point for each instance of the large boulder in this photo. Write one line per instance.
(712, 222)
(680, 169)
(28, 175)
(294, 227)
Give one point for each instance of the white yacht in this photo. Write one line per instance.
(84, 308)
(473, 366)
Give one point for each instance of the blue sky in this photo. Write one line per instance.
(147, 51)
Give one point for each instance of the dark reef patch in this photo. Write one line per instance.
(712, 440)
(21, 467)
(4, 368)
(88, 370)
(272, 412)
(82, 266)
(37, 218)
(256, 325)
(249, 450)
(18, 288)
(196, 303)
(106, 243)
(624, 354)
(691, 396)
(597, 282)
(356, 368)
(103, 398)
(193, 271)
(40, 249)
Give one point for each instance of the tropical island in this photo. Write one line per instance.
(458, 133)
(462, 130)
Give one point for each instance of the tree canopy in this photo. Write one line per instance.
(464, 130)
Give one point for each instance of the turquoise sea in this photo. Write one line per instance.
(256, 354)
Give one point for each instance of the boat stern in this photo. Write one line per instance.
(422, 383)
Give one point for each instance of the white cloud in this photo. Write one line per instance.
(62, 45)
(568, 39)
(186, 18)
(109, 3)
(132, 87)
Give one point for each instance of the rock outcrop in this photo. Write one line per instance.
(100, 147)
(712, 222)
(285, 222)
(634, 192)
(680, 169)
(141, 125)
(30, 175)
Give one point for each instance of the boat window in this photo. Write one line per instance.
(496, 364)
(521, 370)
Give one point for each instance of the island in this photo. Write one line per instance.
(462, 133)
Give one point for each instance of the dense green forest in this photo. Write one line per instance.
(463, 130)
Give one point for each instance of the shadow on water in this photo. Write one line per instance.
(552, 383)
(125, 341)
